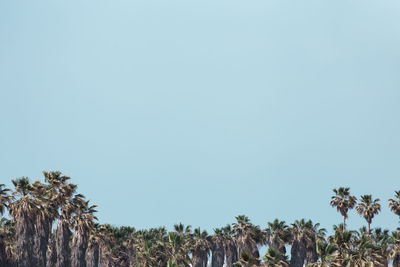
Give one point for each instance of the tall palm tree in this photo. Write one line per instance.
(180, 242)
(92, 253)
(230, 246)
(394, 204)
(217, 248)
(368, 208)
(278, 235)
(248, 236)
(302, 235)
(343, 201)
(24, 211)
(83, 223)
(43, 221)
(51, 254)
(178, 249)
(65, 199)
(200, 248)
(315, 234)
(4, 200)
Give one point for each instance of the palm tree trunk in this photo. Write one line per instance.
(396, 260)
(199, 259)
(104, 260)
(3, 255)
(51, 255)
(311, 253)
(63, 236)
(369, 228)
(298, 255)
(344, 224)
(92, 255)
(41, 239)
(24, 242)
(218, 254)
(231, 253)
(79, 246)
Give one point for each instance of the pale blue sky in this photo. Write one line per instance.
(197, 111)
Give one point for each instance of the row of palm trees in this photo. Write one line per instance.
(50, 224)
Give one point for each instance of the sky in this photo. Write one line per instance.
(198, 111)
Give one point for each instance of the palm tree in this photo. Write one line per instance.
(24, 211)
(343, 201)
(230, 246)
(180, 241)
(302, 235)
(43, 221)
(248, 236)
(51, 254)
(278, 235)
(217, 248)
(394, 204)
(200, 248)
(315, 234)
(178, 250)
(83, 224)
(92, 253)
(368, 208)
(273, 258)
(4, 200)
(65, 199)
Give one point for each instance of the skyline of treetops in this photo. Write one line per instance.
(50, 223)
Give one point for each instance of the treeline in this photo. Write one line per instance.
(47, 224)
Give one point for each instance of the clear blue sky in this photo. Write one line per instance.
(198, 111)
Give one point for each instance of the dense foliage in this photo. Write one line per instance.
(50, 224)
